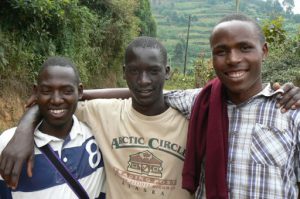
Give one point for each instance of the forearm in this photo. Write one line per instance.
(122, 93)
(29, 120)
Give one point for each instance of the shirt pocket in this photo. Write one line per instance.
(270, 146)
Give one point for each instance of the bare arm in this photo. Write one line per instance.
(19, 149)
(122, 93)
(89, 94)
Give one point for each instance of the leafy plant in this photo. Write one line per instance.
(282, 65)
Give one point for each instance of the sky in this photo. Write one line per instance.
(297, 7)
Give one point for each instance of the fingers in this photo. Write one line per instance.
(30, 165)
(6, 167)
(31, 101)
(15, 174)
(296, 105)
(288, 86)
(11, 168)
(290, 99)
(276, 86)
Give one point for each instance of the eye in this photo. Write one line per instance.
(155, 71)
(45, 91)
(68, 91)
(219, 52)
(132, 71)
(246, 48)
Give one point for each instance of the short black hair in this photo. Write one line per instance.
(243, 17)
(59, 61)
(147, 42)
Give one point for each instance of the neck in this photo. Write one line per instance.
(158, 107)
(59, 131)
(241, 97)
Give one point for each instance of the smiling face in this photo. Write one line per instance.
(57, 96)
(238, 54)
(145, 74)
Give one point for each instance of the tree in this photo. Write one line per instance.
(178, 54)
(93, 33)
(147, 23)
(274, 31)
(289, 5)
(282, 64)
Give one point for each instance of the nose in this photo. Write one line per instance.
(144, 78)
(56, 98)
(234, 57)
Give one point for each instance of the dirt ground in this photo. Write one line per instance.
(11, 109)
(12, 101)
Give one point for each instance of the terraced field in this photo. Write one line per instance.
(172, 21)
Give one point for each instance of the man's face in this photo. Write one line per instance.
(57, 96)
(237, 58)
(145, 73)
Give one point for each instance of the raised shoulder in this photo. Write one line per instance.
(5, 137)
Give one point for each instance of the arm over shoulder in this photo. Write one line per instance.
(182, 100)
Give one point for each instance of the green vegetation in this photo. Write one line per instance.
(283, 63)
(282, 33)
(92, 33)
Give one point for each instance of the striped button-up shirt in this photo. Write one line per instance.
(263, 155)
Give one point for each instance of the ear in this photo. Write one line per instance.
(265, 50)
(35, 89)
(80, 90)
(124, 72)
(168, 72)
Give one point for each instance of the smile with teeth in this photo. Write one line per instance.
(235, 74)
(57, 111)
(145, 91)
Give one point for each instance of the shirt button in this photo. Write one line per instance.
(65, 159)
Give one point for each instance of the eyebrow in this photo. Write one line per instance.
(238, 43)
(219, 46)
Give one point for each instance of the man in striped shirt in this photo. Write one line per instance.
(57, 92)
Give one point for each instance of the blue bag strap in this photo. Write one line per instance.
(71, 181)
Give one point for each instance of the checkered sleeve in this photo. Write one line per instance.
(182, 100)
(297, 162)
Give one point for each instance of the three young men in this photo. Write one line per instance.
(145, 145)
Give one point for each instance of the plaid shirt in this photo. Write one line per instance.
(263, 156)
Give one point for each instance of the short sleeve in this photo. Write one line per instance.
(5, 137)
(182, 100)
(296, 118)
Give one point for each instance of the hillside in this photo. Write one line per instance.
(172, 23)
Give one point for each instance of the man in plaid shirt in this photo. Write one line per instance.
(263, 143)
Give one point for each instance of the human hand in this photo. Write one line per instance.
(12, 158)
(19, 149)
(290, 99)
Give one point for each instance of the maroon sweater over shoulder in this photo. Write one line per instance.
(208, 141)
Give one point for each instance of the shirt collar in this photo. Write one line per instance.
(41, 139)
(267, 91)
